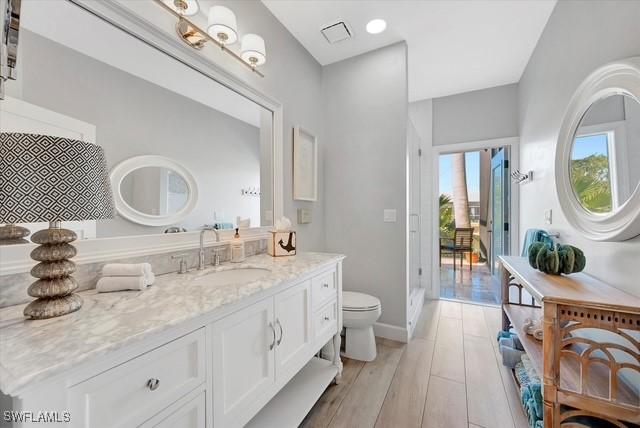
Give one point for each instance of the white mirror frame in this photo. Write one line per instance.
(621, 78)
(127, 166)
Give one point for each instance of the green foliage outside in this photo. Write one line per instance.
(447, 221)
(591, 183)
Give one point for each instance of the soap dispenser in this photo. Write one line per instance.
(237, 248)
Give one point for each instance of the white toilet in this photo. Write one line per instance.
(359, 312)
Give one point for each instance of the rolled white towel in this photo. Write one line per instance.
(127, 269)
(119, 283)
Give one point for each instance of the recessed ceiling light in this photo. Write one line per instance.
(376, 26)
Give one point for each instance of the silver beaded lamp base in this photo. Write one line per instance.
(54, 289)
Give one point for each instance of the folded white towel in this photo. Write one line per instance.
(126, 269)
(118, 283)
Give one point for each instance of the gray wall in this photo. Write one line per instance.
(579, 37)
(477, 115)
(135, 117)
(365, 119)
(293, 77)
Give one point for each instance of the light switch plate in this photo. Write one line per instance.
(304, 215)
(548, 216)
(390, 216)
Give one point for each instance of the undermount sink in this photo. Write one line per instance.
(231, 276)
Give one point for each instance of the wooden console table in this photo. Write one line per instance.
(584, 372)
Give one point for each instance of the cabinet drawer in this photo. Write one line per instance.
(326, 322)
(324, 288)
(130, 393)
(188, 412)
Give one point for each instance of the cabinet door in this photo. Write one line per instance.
(294, 345)
(243, 362)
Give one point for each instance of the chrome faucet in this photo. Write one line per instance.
(201, 253)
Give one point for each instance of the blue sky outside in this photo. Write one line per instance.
(472, 161)
(590, 145)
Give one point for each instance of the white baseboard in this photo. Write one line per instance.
(391, 332)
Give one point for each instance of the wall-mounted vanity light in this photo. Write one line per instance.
(222, 25)
(187, 32)
(184, 7)
(221, 30)
(253, 50)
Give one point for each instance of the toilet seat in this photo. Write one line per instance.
(359, 302)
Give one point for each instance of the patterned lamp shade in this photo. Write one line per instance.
(45, 178)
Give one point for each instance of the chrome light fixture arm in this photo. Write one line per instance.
(9, 32)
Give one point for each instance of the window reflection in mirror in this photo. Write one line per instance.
(606, 154)
(136, 101)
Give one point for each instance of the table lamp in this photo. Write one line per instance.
(53, 179)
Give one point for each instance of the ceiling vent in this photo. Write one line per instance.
(337, 32)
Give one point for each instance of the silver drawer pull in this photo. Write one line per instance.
(326, 318)
(281, 332)
(153, 384)
(273, 331)
(325, 285)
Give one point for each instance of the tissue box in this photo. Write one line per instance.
(281, 243)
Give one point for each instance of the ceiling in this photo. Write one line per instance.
(454, 45)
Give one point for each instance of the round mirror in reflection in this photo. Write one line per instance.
(156, 191)
(605, 156)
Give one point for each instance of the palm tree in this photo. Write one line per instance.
(460, 195)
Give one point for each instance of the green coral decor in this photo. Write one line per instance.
(556, 259)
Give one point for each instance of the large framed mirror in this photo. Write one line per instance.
(211, 138)
(598, 154)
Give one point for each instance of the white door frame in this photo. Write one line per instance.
(436, 151)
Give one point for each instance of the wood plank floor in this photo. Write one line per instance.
(448, 376)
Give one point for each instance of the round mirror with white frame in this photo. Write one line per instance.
(598, 154)
(153, 190)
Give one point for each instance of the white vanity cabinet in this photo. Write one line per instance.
(253, 362)
(243, 361)
(258, 349)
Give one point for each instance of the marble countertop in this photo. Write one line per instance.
(35, 350)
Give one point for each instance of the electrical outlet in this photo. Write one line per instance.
(390, 216)
(548, 216)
